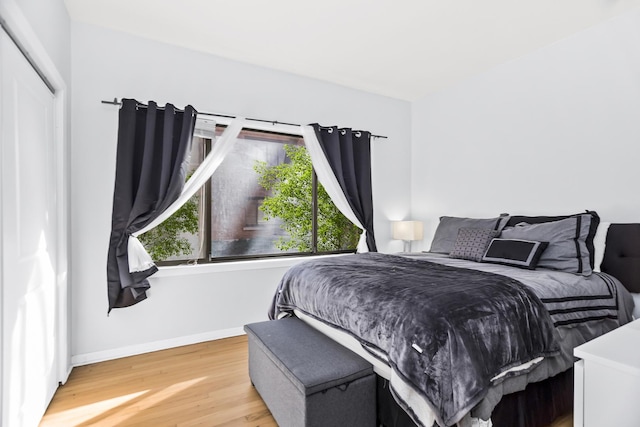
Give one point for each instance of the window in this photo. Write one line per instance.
(263, 200)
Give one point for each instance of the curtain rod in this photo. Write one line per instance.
(116, 102)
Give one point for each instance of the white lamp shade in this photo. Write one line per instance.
(407, 230)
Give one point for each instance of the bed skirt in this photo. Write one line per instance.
(536, 406)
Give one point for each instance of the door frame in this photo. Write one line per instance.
(14, 23)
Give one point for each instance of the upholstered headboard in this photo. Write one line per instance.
(622, 255)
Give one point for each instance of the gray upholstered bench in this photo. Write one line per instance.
(307, 379)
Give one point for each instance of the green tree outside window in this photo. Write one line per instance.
(291, 200)
(166, 240)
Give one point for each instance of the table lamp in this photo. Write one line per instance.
(407, 231)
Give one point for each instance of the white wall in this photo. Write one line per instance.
(556, 131)
(183, 307)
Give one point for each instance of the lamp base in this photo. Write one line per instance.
(407, 246)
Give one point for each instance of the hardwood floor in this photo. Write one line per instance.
(203, 384)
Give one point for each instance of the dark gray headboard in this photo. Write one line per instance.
(622, 255)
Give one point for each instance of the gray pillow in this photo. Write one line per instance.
(472, 243)
(447, 231)
(567, 250)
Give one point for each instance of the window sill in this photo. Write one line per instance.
(243, 265)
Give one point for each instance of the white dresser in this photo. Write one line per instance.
(607, 379)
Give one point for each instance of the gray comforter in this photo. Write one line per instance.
(445, 330)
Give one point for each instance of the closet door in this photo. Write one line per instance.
(28, 230)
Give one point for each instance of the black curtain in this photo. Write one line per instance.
(153, 144)
(349, 154)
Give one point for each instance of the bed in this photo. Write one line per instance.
(457, 334)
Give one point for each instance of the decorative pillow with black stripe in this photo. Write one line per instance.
(593, 227)
(472, 243)
(514, 252)
(567, 250)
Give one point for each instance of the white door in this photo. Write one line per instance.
(28, 230)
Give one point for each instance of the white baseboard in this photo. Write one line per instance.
(116, 353)
(66, 374)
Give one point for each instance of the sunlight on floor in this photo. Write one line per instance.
(86, 412)
(108, 411)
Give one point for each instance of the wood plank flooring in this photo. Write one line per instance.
(204, 384)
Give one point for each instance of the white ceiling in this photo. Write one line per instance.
(404, 49)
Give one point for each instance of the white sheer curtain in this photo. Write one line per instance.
(330, 182)
(139, 259)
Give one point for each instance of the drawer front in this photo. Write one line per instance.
(610, 396)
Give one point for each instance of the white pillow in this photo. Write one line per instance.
(599, 241)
